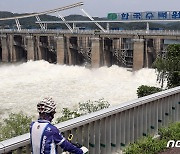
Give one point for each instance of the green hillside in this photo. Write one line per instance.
(29, 23)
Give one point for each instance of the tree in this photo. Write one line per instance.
(84, 108)
(168, 68)
(14, 125)
(144, 90)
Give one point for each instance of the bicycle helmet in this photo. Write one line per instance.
(46, 105)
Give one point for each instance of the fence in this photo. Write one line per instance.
(109, 130)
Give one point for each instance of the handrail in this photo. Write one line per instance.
(44, 12)
(14, 143)
(11, 144)
(70, 124)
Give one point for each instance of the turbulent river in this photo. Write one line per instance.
(23, 85)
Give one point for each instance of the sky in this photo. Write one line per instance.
(96, 8)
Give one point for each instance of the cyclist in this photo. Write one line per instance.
(44, 136)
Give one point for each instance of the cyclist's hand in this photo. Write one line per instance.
(84, 149)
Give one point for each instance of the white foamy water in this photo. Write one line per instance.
(23, 85)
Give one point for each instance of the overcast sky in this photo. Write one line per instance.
(94, 7)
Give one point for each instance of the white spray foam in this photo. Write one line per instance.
(23, 85)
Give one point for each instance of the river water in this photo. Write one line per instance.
(23, 85)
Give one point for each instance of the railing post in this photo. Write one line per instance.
(80, 135)
(173, 108)
(152, 125)
(168, 109)
(91, 138)
(127, 127)
(108, 134)
(135, 123)
(86, 135)
(118, 130)
(103, 137)
(156, 116)
(97, 137)
(113, 132)
(178, 108)
(145, 108)
(140, 120)
(75, 137)
(122, 125)
(160, 113)
(163, 113)
(131, 125)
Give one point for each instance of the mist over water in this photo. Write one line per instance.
(23, 85)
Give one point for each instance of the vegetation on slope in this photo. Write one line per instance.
(148, 145)
(30, 23)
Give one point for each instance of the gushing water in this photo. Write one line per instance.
(23, 85)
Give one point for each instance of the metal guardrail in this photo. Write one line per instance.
(110, 32)
(109, 130)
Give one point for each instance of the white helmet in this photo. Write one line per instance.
(47, 105)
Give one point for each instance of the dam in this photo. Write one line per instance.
(130, 49)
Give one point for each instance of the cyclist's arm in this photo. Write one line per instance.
(64, 144)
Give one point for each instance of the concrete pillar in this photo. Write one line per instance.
(96, 52)
(60, 50)
(30, 48)
(138, 54)
(5, 51)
